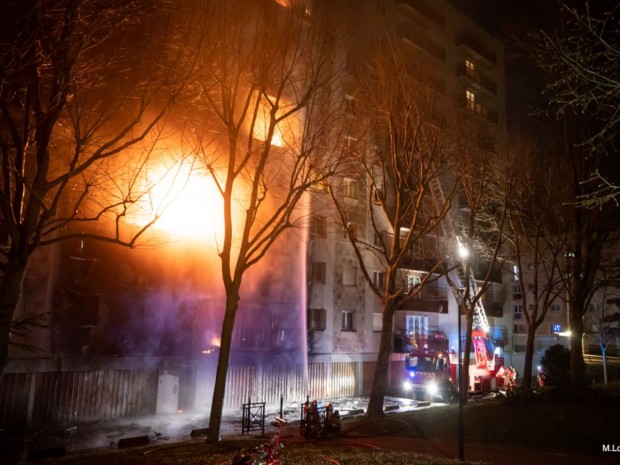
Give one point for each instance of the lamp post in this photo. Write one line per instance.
(461, 391)
(463, 253)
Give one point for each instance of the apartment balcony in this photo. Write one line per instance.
(423, 12)
(480, 109)
(472, 45)
(425, 305)
(432, 298)
(421, 41)
(418, 263)
(433, 339)
(476, 79)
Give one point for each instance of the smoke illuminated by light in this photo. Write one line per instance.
(186, 201)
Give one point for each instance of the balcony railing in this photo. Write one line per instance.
(422, 9)
(480, 109)
(474, 46)
(479, 80)
(421, 42)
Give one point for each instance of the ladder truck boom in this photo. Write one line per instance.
(487, 373)
(480, 321)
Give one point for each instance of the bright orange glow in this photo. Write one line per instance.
(285, 133)
(187, 202)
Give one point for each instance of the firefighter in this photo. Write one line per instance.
(440, 363)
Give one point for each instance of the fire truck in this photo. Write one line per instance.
(431, 369)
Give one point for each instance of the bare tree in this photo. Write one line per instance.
(263, 131)
(535, 233)
(582, 61)
(604, 320)
(579, 57)
(398, 152)
(589, 231)
(484, 185)
(584, 140)
(78, 89)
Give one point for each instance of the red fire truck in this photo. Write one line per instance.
(432, 369)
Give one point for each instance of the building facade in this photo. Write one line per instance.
(464, 66)
(100, 330)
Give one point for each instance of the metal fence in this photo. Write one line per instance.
(40, 398)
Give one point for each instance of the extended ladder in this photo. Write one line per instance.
(449, 230)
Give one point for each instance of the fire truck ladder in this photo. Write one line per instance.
(480, 321)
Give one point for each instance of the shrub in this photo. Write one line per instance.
(556, 365)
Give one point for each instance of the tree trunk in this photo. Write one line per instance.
(375, 403)
(577, 365)
(219, 390)
(529, 356)
(10, 293)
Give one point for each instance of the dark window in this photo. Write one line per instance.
(317, 272)
(317, 318)
(318, 226)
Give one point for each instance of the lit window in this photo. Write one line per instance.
(517, 312)
(351, 189)
(469, 65)
(378, 279)
(470, 100)
(412, 281)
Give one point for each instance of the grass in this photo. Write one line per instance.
(549, 422)
(546, 423)
(194, 454)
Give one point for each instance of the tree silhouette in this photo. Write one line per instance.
(75, 96)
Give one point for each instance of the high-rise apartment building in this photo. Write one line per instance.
(146, 316)
(463, 65)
